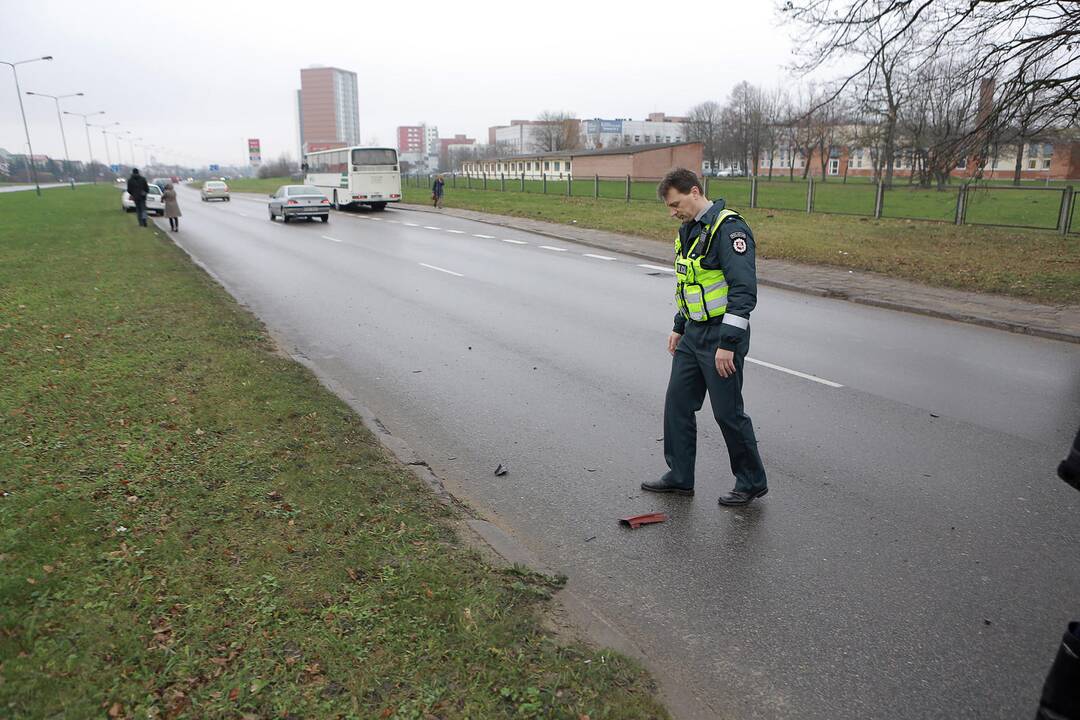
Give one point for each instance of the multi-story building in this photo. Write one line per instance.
(594, 134)
(328, 110)
(418, 146)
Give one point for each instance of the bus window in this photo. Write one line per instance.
(374, 156)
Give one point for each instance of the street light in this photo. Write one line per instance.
(105, 142)
(33, 170)
(89, 147)
(56, 99)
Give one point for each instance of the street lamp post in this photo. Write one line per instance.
(56, 99)
(33, 169)
(89, 147)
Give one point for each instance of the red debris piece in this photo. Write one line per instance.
(636, 521)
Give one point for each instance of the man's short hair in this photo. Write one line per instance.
(682, 180)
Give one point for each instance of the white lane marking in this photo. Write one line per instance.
(431, 227)
(796, 373)
(411, 224)
(598, 257)
(327, 237)
(376, 219)
(657, 267)
(396, 222)
(449, 272)
(243, 214)
(486, 237)
(516, 242)
(456, 232)
(556, 249)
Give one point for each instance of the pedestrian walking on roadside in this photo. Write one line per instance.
(138, 188)
(172, 207)
(715, 290)
(437, 191)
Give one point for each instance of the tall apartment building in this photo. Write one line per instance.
(418, 145)
(328, 109)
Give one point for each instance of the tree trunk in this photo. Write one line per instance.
(1019, 161)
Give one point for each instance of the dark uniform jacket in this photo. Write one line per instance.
(732, 250)
(137, 187)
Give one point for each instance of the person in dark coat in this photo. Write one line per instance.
(437, 191)
(138, 189)
(172, 207)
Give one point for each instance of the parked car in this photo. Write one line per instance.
(154, 203)
(296, 201)
(215, 190)
(160, 182)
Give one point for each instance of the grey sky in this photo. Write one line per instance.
(201, 77)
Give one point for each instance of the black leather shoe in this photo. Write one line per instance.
(738, 497)
(660, 486)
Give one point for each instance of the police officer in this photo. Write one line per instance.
(716, 289)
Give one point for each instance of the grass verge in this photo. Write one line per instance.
(1037, 265)
(191, 526)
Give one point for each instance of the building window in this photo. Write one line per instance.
(637, 138)
(547, 165)
(1031, 164)
(834, 167)
(648, 138)
(1046, 164)
(626, 138)
(962, 165)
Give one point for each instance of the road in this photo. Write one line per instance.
(44, 186)
(915, 558)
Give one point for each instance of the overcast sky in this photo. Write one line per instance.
(199, 78)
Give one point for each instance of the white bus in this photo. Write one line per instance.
(355, 175)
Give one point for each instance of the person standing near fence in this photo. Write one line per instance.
(716, 289)
(138, 188)
(172, 207)
(437, 189)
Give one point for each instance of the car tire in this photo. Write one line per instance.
(326, 218)
(379, 205)
(271, 216)
(284, 217)
(228, 199)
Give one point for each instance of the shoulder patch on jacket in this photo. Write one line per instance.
(738, 241)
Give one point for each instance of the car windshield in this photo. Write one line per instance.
(304, 190)
(374, 156)
(155, 190)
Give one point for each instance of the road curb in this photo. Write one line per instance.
(955, 316)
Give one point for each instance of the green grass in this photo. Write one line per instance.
(192, 527)
(994, 202)
(1036, 265)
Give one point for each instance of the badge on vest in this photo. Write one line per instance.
(738, 242)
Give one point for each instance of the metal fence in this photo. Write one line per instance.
(1041, 208)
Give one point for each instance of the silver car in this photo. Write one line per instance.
(295, 201)
(154, 202)
(215, 190)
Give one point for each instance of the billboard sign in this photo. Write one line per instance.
(603, 127)
(254, 152)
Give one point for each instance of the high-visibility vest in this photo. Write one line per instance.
(701, 293)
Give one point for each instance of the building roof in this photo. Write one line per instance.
(622, 150)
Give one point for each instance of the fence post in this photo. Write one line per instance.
(522, 181)
(468, 181)
(961, 203)
(596, 187)
(502, 181)
(810, 194)
(453, 179)
(569, 185)
(1064, 216)
(627, 188)
(485, 180)
(753, 192)
(879, 200)
(543, 178)
(706, 187)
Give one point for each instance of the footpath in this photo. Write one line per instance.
(1057, 322)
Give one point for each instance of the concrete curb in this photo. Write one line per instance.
(1064, 335)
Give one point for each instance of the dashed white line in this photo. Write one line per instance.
(327, 237)
(456, 232)
(486, 237)
(556, 249)
(516, 242)
(656, 267)
(396, 222)
(448, 272)
(375, 219)
(598, 257)
(796, 373)
(243, 214)
(411, 224)
(431, 227)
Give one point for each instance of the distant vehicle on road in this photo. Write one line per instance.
(215, 190)
(154, 203)
(355, 176)
(160, 182)
(296, 201)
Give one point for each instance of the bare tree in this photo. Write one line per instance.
(703, 125)
(555, 131)
(283, 166)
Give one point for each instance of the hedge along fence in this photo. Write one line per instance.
(1041, 208)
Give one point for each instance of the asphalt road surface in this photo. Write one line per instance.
(915, 558)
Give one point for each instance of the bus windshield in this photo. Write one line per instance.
(371, 156)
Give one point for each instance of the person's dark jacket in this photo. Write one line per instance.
(731, 250)
(137, 186)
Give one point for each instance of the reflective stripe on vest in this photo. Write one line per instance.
(701, 293)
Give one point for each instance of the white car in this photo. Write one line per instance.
(297, 201)
(154, 203)
(215, 190)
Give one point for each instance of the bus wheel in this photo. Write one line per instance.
(379, 206)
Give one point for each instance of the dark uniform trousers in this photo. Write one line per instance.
(693, 371)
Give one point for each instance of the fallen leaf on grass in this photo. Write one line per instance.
(274, 495)
(234, 693)
(116, 710)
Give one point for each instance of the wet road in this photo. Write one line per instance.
(915, 558)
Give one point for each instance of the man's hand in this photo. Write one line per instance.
(725, 362)
(673, 342)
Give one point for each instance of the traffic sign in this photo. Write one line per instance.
(215, 168)
(114, 168)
